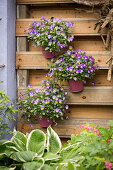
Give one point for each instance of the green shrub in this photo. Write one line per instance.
(6, 112)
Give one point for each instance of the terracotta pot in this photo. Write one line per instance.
(76, 85)
(47, 54)
(45, 122)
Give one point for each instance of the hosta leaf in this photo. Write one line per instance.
(50, 156)
(36, 142)
(53, 141)
(34, 165)
(49, 167)
(20, 140)
(23, 156)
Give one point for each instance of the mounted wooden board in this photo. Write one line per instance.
(91, 95)
(81, 26)
(77, 116)
(35, 60)
(100, 79)
(84, 43)
(42, 1)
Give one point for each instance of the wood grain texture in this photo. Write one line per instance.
(84, 43)
(81, 26)
(42, 1)
(77, 116)
(35, 60)
(91, 95)
(100, 79)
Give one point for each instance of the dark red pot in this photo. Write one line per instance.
(44, 122)
(76, 85)
(47, 54)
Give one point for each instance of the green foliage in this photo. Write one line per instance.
(7, 111)
(30, 152)
(93, 148)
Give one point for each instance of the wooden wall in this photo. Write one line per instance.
(95, 103)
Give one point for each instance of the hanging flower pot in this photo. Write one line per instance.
(45, 122)
(76, 85)
(47, 54)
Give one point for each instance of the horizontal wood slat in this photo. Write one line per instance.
(82, 26)
(100, 79)
(91, 95)
(77, 115)
(35, 60)
(43, 1)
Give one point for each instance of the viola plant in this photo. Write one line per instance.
(73, 65)
(50, 101)
(51, 33)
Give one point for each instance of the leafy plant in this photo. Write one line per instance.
(93, 148)
(7, 111)
(50, 101)
(73, 65)
(35, 150)
(50, 33)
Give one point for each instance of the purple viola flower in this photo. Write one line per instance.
(62, 88)
(68, 52)
(19, 98)
(54, 19)
(46, 21)
(77, 71)
(53, 97)
(56, 98)
(29, 86)
(54, 90)
(64, 98)
(38, 35)
(56, 28)
(51, 27)
(20, 107)
(70, 47)
(78, 61)
(31, 93)
(42, 107)
(42, 100)
(47, 83)
(48, 101)
(65, 92)
(79, 51)
(71, 74)
(67, 68)
(61, 114)
(49, 36)
(67, 107)
(67, 24)
(36, 101)
(73, 55)
(59, 68)
(42, 19)
(71, 69)
(59, 20)
(42, 28)
(57, 32)
(61, 45)
(46, 75)
(46, 33)
(57, 110)
(81, 70)
(76, 66)
(46, 92)
(50, 43)
(93, 83)
(60, 101)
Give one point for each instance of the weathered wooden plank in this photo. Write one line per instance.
(96, 95)
(35, 60)
(42, 1)
(63, 11)
(81, 26)
(77, 116)
(100, 79)
(22, 45)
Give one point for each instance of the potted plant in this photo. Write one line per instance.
(75, 67)
(46, 104)
(51, 35)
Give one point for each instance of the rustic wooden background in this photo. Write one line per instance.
(95, 103)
